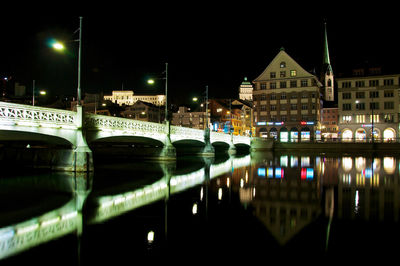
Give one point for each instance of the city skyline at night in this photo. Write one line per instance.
(210, 47)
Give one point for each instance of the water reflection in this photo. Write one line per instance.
(287, 193)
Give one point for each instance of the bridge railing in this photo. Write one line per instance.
(31, 114)
(187, 132)
(118, 123)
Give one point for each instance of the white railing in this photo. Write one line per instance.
(25, 113)
(101, 122)
(186, 133)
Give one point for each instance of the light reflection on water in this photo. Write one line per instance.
(282, 202)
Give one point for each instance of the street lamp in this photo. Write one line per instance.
(151, 82)
(41, 92)
(60, 47)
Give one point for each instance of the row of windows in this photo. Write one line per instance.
(284, 84)
(376, 118)
(282, 74)
(287, 118)
(284, 96)
(372, 94)
(273, 107)
(372, 106)
(371, 83)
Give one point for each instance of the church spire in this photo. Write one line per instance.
(327, 61)
(327, 73)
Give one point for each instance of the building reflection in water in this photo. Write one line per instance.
(289, 192)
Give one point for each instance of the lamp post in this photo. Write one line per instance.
(59, 46)
(151, 82)
(79, 63)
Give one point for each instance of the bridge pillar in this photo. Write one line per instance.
(168, 152)
(83, 159)
(232, 148)
(208, 150)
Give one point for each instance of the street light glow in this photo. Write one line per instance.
(150, 81)
(58, 46)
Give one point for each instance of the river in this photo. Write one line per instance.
(287, 206)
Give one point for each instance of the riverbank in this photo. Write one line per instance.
(343, 147)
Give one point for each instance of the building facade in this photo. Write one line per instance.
(246, 90)
(329, 123)
(369, 108)
(185, 118)
(287, 101)
(144, 111)
(129, 98)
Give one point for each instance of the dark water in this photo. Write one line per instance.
(289, 207)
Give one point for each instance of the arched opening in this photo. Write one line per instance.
(273, 133)
(347, 135)
(263, 132)
(294, 134)
(389, 135)
(360, 135)
(284, 135)
(305, 134)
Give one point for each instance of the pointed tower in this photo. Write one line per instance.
(327, 73)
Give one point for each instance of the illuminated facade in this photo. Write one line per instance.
(246, 90)
(369, 104)
(287, 101)
(128, 98)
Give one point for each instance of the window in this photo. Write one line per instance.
(374, 94)
(282, 74)
(374, 83)
(272, 85)
(293, 83)
(388, 94)
(283, 64)
(360, 106)
(373, 106)
(304, 83)
(388, 105)
(389, 118)
(283, 84)
(346, 84)
(263, 108)
(360, 95)
(283, 95)
(374, 118)
(293, 73)
(273, 108)
(346, 118)
(273, 96)
(272, 75)
(346, 95)
(304, 107)
(263, 86)
(293, 107)
(360, 118)
(388, 82)
(360, 83)
(347, 107)
(263, 97)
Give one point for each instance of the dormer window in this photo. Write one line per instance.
(283, 64)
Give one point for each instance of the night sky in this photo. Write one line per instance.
(214, 45)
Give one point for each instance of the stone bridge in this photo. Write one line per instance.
(79, 130)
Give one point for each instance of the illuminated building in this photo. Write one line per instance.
(368, 103)
(129, 98)
(246, 90)
(287, 101)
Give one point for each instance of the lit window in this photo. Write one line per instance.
(293, 73)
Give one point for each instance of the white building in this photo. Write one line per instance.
(246, 90)
(369, 104)
(128, 98)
